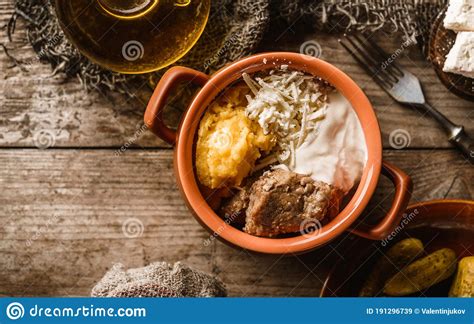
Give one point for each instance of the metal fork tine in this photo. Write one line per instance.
(374, 57)
(369, 61)
(392, 64)
(367, 67)
(406, 90)
(373, 73)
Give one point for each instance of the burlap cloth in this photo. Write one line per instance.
(159, 279)
(234, 30)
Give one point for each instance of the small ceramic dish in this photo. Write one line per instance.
(437, 223)
(184, 140)
(441, 41)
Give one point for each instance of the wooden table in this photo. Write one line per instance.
(62, 209)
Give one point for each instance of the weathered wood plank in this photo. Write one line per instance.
(62, 214)
(33, 102)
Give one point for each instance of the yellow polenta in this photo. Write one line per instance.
(228, 142)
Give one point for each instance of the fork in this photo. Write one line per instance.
(402, 86)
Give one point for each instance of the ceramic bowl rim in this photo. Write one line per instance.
(185, 171)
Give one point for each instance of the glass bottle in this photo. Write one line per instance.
(133, 36)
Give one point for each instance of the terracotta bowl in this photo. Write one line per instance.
(184, 139)
(437, 223)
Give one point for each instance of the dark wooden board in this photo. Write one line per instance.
(62, 212)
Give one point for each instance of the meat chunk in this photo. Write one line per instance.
(233, 209)
(280, 201)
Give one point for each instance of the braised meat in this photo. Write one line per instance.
(279, 201)
(233, 209)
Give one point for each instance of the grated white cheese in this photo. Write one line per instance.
(289, 105)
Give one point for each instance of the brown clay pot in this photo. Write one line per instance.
(437, 223)
(183, 140)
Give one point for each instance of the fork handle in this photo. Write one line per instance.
(465, 143)
(457, 136)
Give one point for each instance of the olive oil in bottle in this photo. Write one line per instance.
(133, 36)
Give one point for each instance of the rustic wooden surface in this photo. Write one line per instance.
(62, 209)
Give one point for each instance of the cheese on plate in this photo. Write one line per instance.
(460, 59)
(460, 15)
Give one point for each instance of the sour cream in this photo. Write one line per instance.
(336, 152)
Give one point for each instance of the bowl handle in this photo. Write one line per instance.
(154, 110)
(403, 189)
